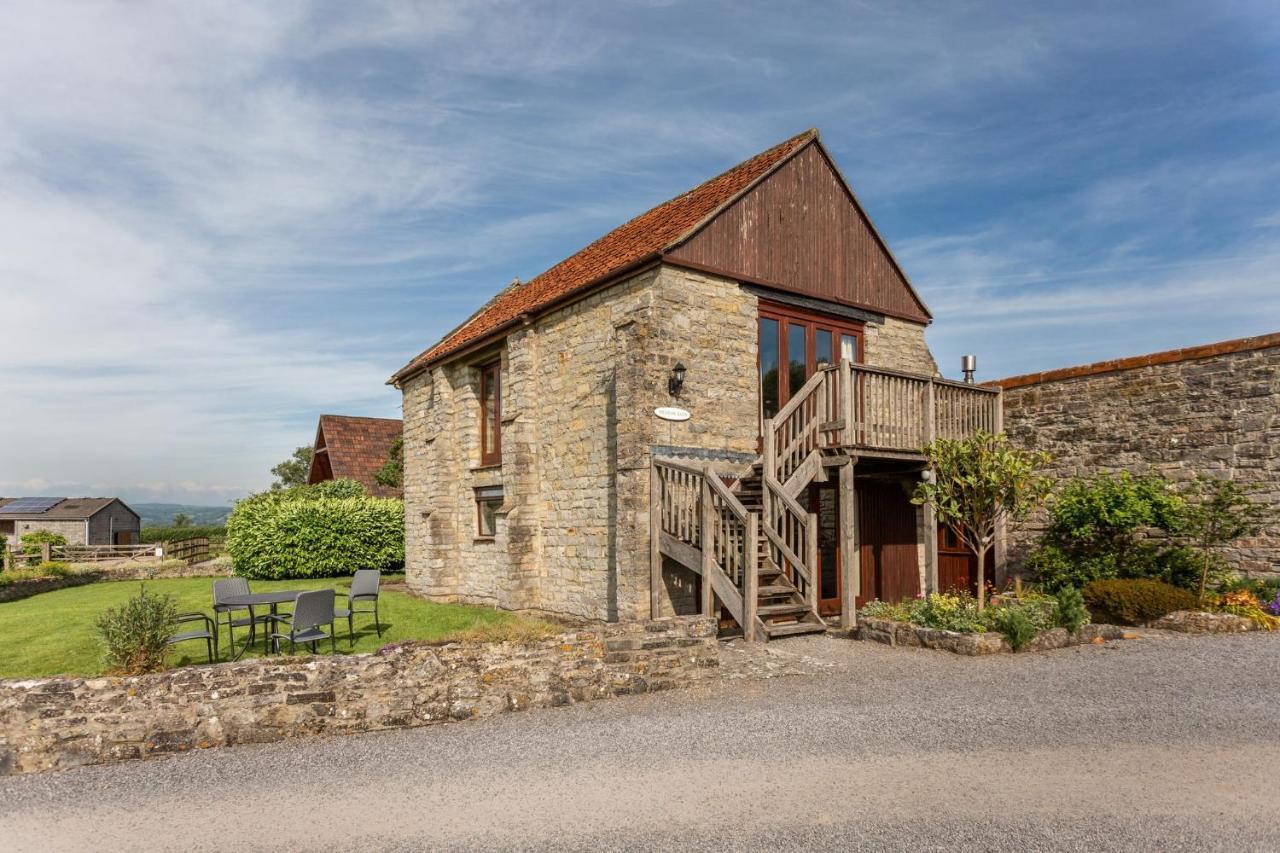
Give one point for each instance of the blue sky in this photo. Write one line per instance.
(218, 220)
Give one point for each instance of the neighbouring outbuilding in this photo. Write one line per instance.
(354, 448)
(83, 521)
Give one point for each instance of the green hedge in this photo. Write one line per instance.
(308, 533)
(177, 534)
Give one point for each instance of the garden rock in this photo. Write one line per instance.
(1200, 622)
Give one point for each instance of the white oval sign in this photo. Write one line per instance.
(670, 413)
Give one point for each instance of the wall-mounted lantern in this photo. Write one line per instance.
(676, 380)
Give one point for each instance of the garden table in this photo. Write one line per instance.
(260, 599)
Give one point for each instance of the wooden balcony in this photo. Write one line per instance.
(872, 411)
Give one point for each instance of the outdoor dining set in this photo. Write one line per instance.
(236, 606)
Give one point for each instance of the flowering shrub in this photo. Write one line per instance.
(1243, 602)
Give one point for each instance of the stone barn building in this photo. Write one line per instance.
(1212, 410)
(83, 521)
(719, 406)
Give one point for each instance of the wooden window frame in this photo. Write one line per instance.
(491, 376)
(487, 495)
(787, 316)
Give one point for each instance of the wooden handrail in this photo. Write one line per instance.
(800, 396)
(730, 499)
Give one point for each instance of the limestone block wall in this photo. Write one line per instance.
(1211, 410)
(57, 723)
(898, 345)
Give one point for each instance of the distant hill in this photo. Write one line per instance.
(161, 515)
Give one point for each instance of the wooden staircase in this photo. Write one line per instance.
(782, 609)
(755, 545)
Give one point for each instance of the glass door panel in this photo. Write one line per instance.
(822, 352)
(797, 356)
(770, 359)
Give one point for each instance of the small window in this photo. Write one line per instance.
(491, 414)
(488, 502)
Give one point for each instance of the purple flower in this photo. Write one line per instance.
(1274, 607)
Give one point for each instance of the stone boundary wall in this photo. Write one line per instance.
(26, 588)
(58, 723)
(893, 633)
(1212, 410)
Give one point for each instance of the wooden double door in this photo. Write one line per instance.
(889, 555)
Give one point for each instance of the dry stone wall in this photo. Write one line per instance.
(1211, 410)
(57, 723)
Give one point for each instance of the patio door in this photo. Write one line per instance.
(792, 343)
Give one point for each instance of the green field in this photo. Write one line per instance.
(54, 633)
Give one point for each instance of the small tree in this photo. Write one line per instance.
(181, 520)
(293, 471)
(978, 483)
(1219, 512)
(392, 472)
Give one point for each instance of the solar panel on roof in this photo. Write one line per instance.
(29, 505)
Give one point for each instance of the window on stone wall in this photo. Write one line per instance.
(491, 413)
(488, 502)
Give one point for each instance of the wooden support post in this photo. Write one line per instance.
(46, 552)
(655, 543)
(850, 547)
(707, 542)
(751, 580)
(930, 549)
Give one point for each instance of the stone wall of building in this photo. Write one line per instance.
(898, 345)
(1212, 410)
(579, 390)
(57, 723)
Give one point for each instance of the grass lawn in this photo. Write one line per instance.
(54, 633)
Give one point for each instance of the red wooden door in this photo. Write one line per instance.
(889, 556)
(957, 566)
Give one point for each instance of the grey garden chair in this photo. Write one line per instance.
(312, 610)
(364, 587)
(224, 588)
(207, 632)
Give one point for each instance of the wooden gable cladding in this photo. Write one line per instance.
(800, 229)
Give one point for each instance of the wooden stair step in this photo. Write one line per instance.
(775, 589)
(782, 609)
(793, 628)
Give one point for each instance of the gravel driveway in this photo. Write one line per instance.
(1167, 742)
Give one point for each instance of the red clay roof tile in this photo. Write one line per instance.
(357, 449)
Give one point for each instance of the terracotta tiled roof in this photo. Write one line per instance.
(357, 449)
(1133, 362)
(644, 236)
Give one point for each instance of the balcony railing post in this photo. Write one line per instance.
(930, 427)
(845, 402)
